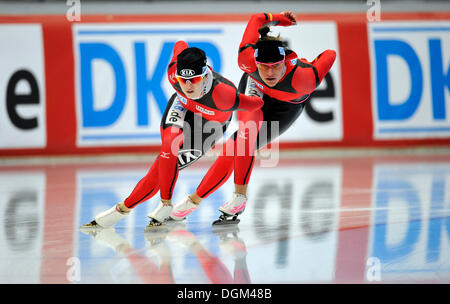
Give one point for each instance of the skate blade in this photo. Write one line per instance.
(155, 227)
(92, 226)
(226, 222)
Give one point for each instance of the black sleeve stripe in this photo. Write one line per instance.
(316, 75)
(171, 64)
(266, 16)
(245, 47)
(236, 103)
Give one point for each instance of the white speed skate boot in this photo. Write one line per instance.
(158, 216)
(232, 209)
(182, 209)
(106, 219)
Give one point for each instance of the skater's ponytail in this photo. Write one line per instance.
(263, 33)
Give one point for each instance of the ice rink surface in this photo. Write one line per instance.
(334, 219)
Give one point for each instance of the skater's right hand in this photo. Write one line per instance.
(287, 18)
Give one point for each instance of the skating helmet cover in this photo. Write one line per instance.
(269, 51)
(191, 62)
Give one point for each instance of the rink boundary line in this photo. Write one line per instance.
(367, 209)
(319, 153)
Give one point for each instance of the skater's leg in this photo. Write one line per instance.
(273, 111)
(172, 125)
(144, 190)
(172, 139)
(147, 187)
(249, 126)
(218, 174)
(221, 170)
(241, 189)
(150, 184)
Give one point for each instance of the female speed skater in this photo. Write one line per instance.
(196, 116)
(284, 81)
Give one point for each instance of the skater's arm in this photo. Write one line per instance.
(324, 62)
(250, 103)
(180, 46)
(246, 58)
(257, 21)
(310, 74)
(228, 98)
(172, 68)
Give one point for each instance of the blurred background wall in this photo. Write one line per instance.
(88, 77)
(215, 6)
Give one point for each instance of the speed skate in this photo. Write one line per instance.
(226, 219)
(231, 210)
(158, 216)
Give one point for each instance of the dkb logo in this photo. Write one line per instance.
(122, 84)
(411, 79)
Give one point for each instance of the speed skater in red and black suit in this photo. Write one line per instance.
(196, 116)
(284, 81)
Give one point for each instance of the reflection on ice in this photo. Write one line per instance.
(330, 220)
(154, 263)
